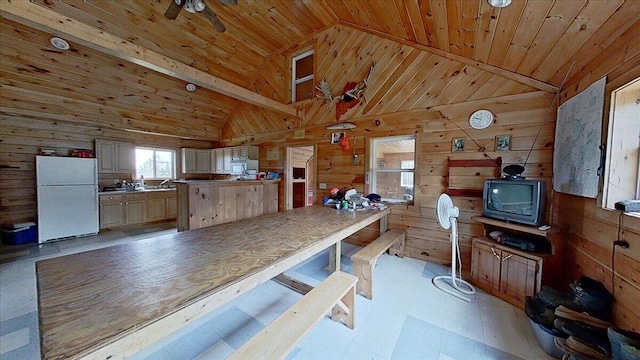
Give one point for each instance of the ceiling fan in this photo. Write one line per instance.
(194, 6)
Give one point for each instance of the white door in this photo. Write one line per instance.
(51, 170)
(65, 211)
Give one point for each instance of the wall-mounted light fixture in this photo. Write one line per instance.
(499, 3)
(59, 43)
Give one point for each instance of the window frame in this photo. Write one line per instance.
(610, 192)
(294, 81)
(413, 168)
(371, 178)
(154, 149)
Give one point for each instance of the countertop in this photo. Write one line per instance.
(117, 192)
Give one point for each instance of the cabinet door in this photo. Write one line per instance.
(485, 266)
(123, 156)
(135, 211)
(518, 276)
(111, 214)
(227, 160)
(188, 161)
(156, 209)
(219, 154)
(203, 161)
(105, 153)
(236, 153)
(172, 207)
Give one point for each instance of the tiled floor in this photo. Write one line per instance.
(408, 318)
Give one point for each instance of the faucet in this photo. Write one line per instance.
(164, 182)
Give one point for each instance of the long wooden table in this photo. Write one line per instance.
(112, 302)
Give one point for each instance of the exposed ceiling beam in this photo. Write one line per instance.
(480, 65)
(42, 18)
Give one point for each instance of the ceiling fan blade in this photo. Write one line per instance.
(229, 2)
(173, 10)
(214, 19)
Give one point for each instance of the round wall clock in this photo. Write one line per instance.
(481, 119)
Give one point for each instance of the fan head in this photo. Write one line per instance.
(445, 210)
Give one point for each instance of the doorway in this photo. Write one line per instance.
(300, 175)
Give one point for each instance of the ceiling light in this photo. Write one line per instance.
(191, 87)
(59, 43)
(499, 3)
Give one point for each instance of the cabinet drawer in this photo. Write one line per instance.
(138, 196)
(111, 198)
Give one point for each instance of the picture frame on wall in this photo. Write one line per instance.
(503, 142)
(336, 136)
(458, 144)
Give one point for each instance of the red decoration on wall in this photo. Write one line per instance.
(344, 142)
(346, 102)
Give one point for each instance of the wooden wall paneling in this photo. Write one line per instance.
(626, 17)
(454, 26)
(534, 14)
(384, 95)
(508, 19)
(590, 18)
(432, 72)
(440, 27)
(485, 31)
(23, 137)
(469, 17)
(428, 97)
(554, 26)
(409, 15)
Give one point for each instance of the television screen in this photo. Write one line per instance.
(521, 201)
(511, 198)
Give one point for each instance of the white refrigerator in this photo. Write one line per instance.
(67, 190)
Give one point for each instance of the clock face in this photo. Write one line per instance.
(481, 119)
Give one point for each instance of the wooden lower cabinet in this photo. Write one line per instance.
(136, 208)
(111, 211)
(507, 273)
(161, 206)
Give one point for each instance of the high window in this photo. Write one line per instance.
(302, 77)
(155, 163)
(622, 170)
(393, 168)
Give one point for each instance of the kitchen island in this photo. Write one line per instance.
(203, 203)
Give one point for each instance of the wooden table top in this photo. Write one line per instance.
(95, 299)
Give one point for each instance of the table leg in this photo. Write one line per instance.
(383, 224)
(334, 256)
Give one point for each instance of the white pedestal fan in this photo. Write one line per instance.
(447, 218)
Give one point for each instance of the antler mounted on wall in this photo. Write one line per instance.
(351, 95)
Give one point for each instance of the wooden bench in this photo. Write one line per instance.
(336, 293)
(365, 260)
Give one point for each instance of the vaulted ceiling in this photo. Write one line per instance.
(428, 53)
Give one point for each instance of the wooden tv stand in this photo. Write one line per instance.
(510, 273)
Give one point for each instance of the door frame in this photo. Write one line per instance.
(288, 173)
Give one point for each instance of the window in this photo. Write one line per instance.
(155, 163)
(393, 168)
(302, 77)
(622, 170)
(406, 177)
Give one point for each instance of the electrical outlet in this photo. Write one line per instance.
(322, 186)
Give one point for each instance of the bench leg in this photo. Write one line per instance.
(397, 248)
(345, 310)
(364, 272)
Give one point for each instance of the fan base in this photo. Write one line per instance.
(452, 285)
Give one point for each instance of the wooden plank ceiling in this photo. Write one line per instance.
(429, 53)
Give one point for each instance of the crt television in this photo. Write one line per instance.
(515, 200)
